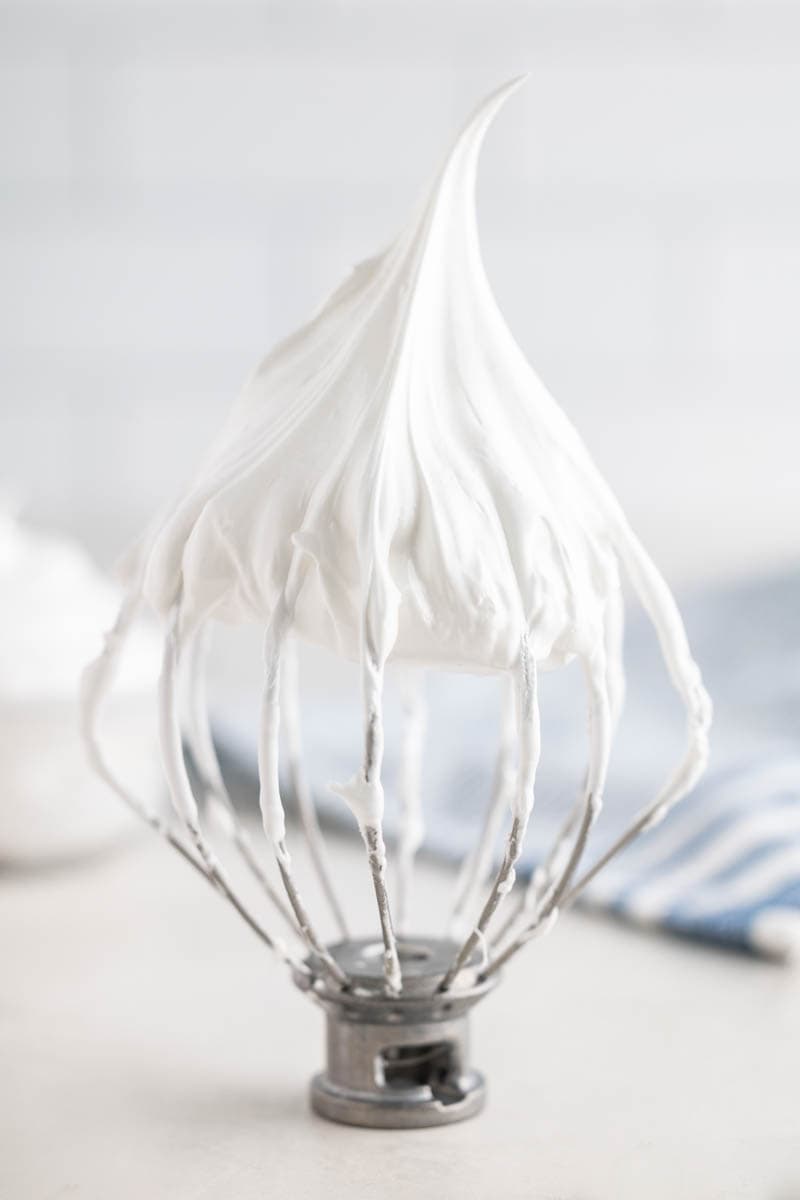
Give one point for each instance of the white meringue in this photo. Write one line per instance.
(396, 481)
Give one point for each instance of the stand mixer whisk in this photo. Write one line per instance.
(395, 483)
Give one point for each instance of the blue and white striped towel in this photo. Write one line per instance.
(725, 865)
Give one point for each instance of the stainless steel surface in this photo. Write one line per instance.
(398, 1062)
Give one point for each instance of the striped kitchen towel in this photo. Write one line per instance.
(723, 867)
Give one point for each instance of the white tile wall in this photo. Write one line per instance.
(181, 183)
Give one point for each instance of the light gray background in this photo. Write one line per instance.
(180, 184)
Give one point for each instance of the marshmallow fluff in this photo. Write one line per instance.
(395, 482)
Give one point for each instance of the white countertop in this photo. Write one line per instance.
(151, 1049)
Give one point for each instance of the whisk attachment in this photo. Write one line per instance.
(396, 486)
(398, 1062)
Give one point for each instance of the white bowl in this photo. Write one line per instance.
(52, 804)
